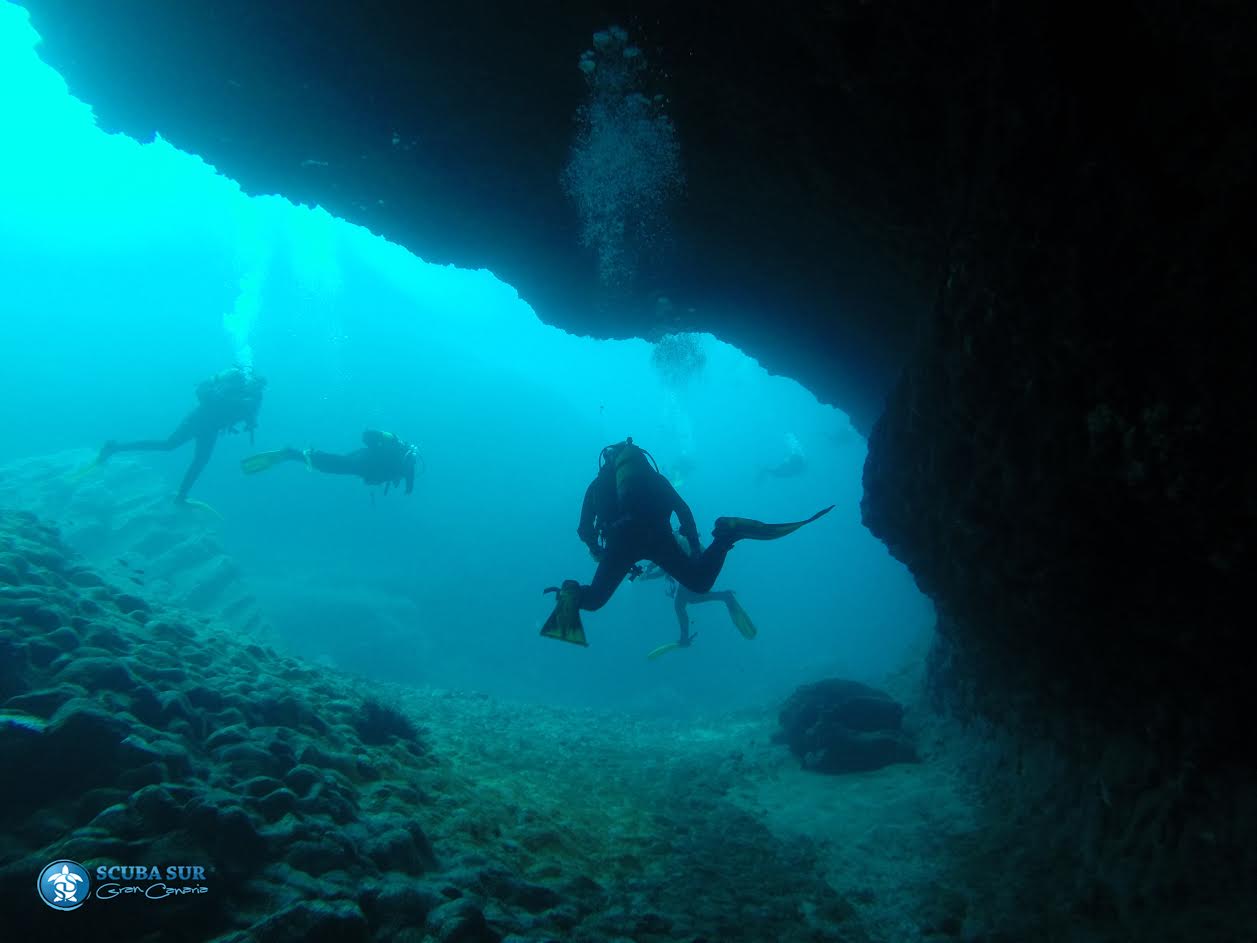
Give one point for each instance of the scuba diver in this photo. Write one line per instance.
(384, 459)
(682, 598)
(795, 463)
(626, 517)
(230, 398)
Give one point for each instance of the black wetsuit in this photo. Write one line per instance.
(384, 460)
(229, 399)
(630, 523)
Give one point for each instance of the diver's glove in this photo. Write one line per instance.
(685, 641)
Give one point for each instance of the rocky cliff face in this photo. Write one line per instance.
(1055, 206)
(121, 518)
(448, 128)
(1064, 463)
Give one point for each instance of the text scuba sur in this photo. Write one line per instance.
(154, 891)
(139, 872)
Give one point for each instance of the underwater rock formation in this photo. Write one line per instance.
(1062, 468)
(837, 726)
(121, 518)
(787, 143)
(1066, 463)
(132, 735)
(143, 739)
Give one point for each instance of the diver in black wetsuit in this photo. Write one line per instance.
(384, 459)
(626, 517)
(228, 399)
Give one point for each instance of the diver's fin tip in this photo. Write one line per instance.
(564, 622)
(260, 462)
(745, 528)
(192, 504)
(80, 473)
(741, 621)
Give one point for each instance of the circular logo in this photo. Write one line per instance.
(64, 885)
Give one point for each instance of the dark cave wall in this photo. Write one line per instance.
(1067, 463)
(1065, 193)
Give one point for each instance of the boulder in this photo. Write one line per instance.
(837, 726)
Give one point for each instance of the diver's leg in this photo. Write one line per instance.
(679, 602)
(200, 458)
(332, 464)
(183, 432)
(696, 574)
(722, 595)
(612, 568)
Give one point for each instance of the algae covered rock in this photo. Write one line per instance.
(837, 726)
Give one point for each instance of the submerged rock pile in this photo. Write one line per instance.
(134, 735)
(837, 726)
(121, 518)
(143, 739)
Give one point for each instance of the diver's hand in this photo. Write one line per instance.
(685, 641)
(596, 552)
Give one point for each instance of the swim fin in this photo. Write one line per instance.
(264, 460)
(741, 620)
(743, 528)
(564, 623)
(195, 505)
(107, 451)
(663, 650)
(81, 473)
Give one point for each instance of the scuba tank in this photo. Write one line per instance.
(232, 395)
(634, 469)
(219, 387)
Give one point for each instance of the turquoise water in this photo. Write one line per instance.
(134, 270)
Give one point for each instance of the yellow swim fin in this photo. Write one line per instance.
(740, 619)
(564, 623)
(663, 650)
(81, 473)
(744, 528)
(195, 505)
(264, 460)
(107, 451)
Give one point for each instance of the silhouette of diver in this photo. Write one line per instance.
(384, 459)
(626, 517)
(794, 464)
(682, 598)
(229, 398)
